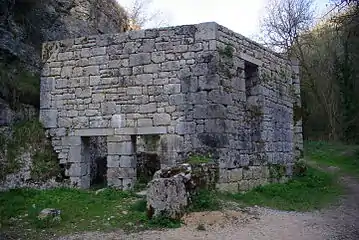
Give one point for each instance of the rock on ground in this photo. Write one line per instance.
(167, 196)
(340, 222)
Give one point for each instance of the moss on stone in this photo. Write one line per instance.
(28, 137)
(151, 142)
(198, 159)
(255, 112)
(276, 171)
(227, 51)
(45, 164)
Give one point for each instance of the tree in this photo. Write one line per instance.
(329, 54)
(141, 15)
(284, 21)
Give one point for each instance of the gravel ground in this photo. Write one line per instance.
(338, 222)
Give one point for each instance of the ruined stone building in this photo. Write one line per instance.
(193, 89)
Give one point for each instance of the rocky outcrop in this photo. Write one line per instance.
(8, 115)
(26, 24)
(171, 190)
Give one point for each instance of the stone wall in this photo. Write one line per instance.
(200, 88)
(24, 25)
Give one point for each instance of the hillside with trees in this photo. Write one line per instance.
(328, 51)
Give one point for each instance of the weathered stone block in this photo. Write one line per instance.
(140, 59)
(148, 108)
(206, 31)
(78, 169)
(161, 119)
(127, 162)
(75, 154)
(71, 141)
(167, 197)
(235, 175)
(125, 172)
(121, 148)
(113, 161)
(228, 187)
(146, 122)
(48, 118)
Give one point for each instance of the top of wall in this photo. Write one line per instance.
(202, 31)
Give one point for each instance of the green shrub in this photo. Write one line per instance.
(29, 136)
(139, 206)
(300, 168)
(204, 200)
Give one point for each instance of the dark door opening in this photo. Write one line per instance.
(95, 156)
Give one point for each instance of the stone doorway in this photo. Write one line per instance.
(148, 157)
(94, 154)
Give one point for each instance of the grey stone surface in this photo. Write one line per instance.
(53, 20)
(167, 197)
(201, 89)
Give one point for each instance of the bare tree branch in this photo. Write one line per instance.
(284, 21)
(141, 15)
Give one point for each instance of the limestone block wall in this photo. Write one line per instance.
(200, 88)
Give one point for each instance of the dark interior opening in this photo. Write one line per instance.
(147, 164)
(148, 160)
(97, 158)
(251, 77)
(99, 176)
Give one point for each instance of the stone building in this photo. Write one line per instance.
(193, 89)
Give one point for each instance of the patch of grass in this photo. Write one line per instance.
(198, 159)
(139, 206)
(81, 210)
(346, 157)
(204, 200)
(163, 222)
(313, 190)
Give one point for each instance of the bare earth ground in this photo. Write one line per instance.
(341, 221)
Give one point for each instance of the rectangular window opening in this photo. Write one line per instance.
(251, 77)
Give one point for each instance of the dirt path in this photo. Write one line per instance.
(340, 221)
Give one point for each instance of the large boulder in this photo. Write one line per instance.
(172, 188)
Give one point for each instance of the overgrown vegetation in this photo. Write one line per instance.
(28, 137)
(328, 51)
(313, 190)
(204, 200)
(346, 157)
(198, 159)
(17, 85)
(227, 51)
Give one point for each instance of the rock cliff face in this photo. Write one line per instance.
(26, 24)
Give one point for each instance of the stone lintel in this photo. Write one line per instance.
(250, 59)
(94, 132)
(151, 130)
(141, 131)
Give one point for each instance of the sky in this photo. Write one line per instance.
(241, 16)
